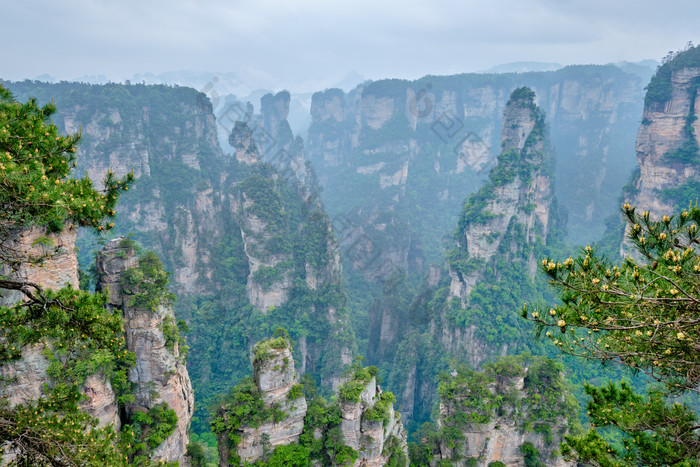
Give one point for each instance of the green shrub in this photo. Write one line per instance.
(296, 392)
(292, 455)
(350, 391)
(147, 284)
(244, 406)
(532, 455)
(146, 431)
(261, 351)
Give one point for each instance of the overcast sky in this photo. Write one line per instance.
(307, 45)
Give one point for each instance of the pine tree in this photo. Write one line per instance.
(79, 337)
(644, 314)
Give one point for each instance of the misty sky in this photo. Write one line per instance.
(308, 45)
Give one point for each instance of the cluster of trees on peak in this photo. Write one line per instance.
(660, 87)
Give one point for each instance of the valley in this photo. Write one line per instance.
(355, 296)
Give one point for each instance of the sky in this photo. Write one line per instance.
(305, 45)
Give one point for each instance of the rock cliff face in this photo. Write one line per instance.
(512, 210)
(159, 374)
(274, 378)
(499, 412)
(417, 148)
(371, 435)
(59, 266)
(26, 378)
(668, 139)
(206, 215)
(167, 137)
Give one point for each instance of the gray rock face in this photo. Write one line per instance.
(135, 134)
(501, 437)
(274, 376)
(159, 374)
(500, 440)
(663, 131)
(368, 437)
(254, 441)
(58, 260)
(102, 401)
(242, 140)
(27, 376)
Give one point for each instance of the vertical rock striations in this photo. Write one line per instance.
(369, 423)
(512, 210)
(271, 410)
(667, 143)
(135, 288)
(24, 380)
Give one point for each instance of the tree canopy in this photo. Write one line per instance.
(645, 314)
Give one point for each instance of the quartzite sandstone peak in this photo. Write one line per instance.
(518, 195)
(159, 374)
(668, 138)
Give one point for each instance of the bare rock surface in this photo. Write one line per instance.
(662, 131)
(159, 374)
(369, 437)
(59, 269)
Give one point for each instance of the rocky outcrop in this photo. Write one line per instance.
(500, 411)
(518, 197)
(270, 286)
(242, 141)
(369, 424)
(24, 380)
(668, 138)
(330, 131)
(269, 410)
(274, 110)
(276, 383)
(159, 374)
(53, 261)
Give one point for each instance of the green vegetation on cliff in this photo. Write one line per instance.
(72, 329)
(223, 323)
(321, 439)
(660, 87)
(529, 393)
